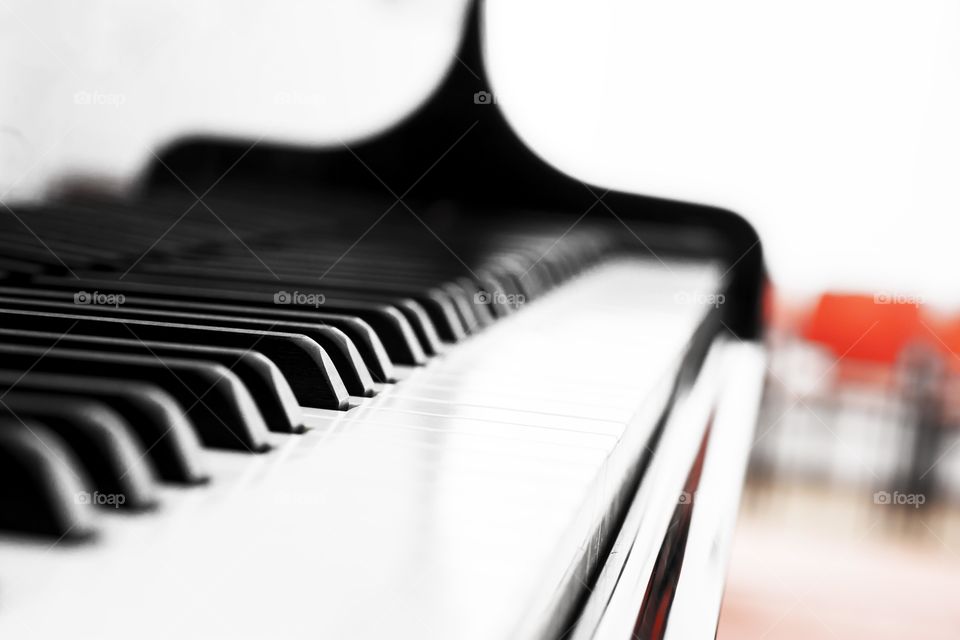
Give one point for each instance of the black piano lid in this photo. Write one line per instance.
(489, 169)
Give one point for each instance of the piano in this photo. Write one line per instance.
(415, 385)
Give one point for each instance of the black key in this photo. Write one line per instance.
(391, 326)
(217, 403)
(499, 289)
(39, 483)
(422, 331)
(436, 303)
(306, 366)
(338, 346)
(100, 440)
(423, 327)
(362, 334)
(269, 388)
(154, 416)
(461, 293)
(481, 312)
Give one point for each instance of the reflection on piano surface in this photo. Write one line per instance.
(276, 395)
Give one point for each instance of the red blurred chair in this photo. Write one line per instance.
(865, 328)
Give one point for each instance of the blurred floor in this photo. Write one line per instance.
(850, 523)
(813, 562)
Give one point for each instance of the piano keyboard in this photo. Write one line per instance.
(424, 430)
(415, 385)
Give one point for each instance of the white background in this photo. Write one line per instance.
(833, 125)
